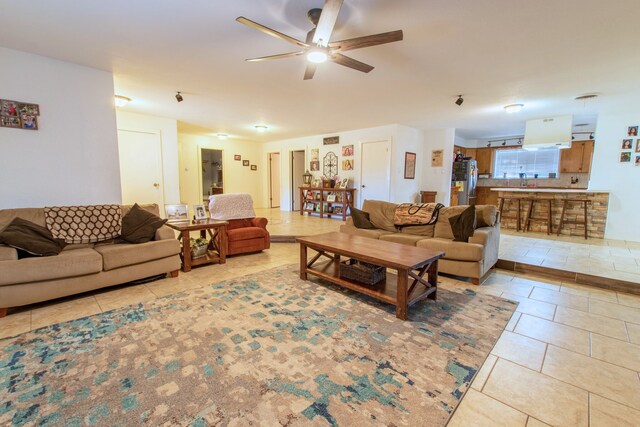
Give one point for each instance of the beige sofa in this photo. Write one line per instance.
(80, 267)
(471, 259)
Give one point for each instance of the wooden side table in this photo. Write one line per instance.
(217, 249)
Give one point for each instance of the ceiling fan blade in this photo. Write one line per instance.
(351, 63)
(280, 56)
(270, 31)
(367, 41)
(327, 21)
(310, 71)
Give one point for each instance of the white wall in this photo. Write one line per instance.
(438, 178)
(168, 130)
(620, 179)
(73, 157)
(237, 178)
(402, 139)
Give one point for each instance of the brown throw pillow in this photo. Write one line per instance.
(361, 219)
(139, 225)
(31, 238)
(463, 225)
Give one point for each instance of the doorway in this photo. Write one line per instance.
(211, 172)
(274, 180)
(297, 170)
(141, 173)
(375, 171)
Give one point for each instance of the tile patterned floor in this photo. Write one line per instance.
(615, 259)
(569, 356)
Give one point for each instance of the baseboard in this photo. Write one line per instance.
(282, 239)
(571, 276)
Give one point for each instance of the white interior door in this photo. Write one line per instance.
(141, 167)
(375, 171)
(297, 170)
(274, 179)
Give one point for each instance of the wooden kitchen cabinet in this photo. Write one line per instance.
(484, 196)
(577, 159)
(470, 152)
(484, 158)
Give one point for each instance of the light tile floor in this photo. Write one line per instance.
(615, 259)
(569, 356)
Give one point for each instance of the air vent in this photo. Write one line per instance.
(579, 125)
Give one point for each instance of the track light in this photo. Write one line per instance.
(179, 97)
(519, 141)
(459, 101)
(504, 142)
(591, 137)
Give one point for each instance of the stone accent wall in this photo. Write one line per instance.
(596, 212)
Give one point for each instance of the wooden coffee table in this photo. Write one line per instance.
(217, 250)
(410, 262)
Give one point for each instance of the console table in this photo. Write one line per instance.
(319, 200)
(217, 248)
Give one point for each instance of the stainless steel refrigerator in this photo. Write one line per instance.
(465, 177)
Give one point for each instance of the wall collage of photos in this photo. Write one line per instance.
(630, 143)
(19, 115)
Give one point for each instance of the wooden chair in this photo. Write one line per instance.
(530, 217)
(517, 200)
(563, 221)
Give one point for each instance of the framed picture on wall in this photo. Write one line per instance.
(409, 165)
(177, 213)
(237, 157)
(254, 167)
(245, 163)
(627, 144)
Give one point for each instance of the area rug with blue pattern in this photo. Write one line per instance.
(264, 349)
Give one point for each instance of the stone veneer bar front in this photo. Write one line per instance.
(596, 210)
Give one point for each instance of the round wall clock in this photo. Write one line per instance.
(330, 165)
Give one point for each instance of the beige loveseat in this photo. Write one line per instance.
(471, 259)
(80, 267)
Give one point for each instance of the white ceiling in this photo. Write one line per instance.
(541, 53)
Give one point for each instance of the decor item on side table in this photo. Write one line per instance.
(354, 360)
(177, 213)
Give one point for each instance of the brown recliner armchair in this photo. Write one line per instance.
(245, 232)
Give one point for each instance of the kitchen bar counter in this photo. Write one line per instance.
(548, 190)
(596, 209)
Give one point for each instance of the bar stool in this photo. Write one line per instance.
(517, 216)
(564, 209)
(530, 217)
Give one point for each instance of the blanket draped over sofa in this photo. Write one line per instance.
(84, 224)
(416, 214)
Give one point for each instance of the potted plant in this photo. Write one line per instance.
(198, 247)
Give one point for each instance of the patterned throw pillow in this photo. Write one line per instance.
(84, 224)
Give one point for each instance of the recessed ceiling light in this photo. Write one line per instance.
(513, 108)
(222, 136)
(121, 101)
(261, 128)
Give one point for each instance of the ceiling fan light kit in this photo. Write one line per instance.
(317, 47)
(261, 128)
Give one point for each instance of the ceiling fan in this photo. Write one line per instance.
(317, 46)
